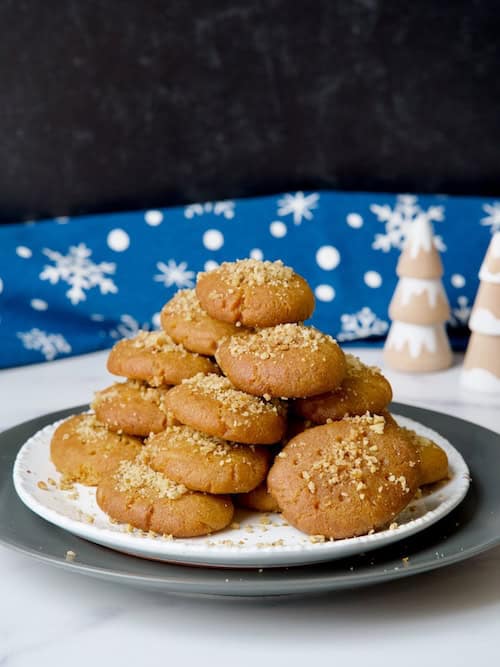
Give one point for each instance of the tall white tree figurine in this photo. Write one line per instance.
(417, 340)
(481, 370)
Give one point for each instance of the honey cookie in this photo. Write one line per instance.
(364, 389)
(153, 357)
(255, 293)
(83, 450)
(204, 463)
(433, 461)
(137, 495)
(345, 478)
(187, 323)
(259, 499)
(132, 407)
(289, 360)
(211, 404)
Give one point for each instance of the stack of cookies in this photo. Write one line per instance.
(236, 401)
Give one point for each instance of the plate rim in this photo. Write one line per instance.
(249, 586)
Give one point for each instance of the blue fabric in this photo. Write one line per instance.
(69, 286)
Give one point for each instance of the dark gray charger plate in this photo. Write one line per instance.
(469, 530)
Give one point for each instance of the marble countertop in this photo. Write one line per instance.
(53, 617)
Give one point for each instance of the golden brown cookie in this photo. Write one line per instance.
(255, 293)
(259, 499)
(133, 407)
(289, 360)
(433, 460)
(346, 478)
(210, 403)
(83, 450)
(153, 357)
(137, 495)
(364, 389)
(187, 323)
(204, 463)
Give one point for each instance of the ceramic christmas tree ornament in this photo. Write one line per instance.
(482, 360)
(417, 341)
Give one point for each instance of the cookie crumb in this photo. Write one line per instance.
(70, 555)
(42, 485)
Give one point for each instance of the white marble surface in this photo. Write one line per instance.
(51, 617)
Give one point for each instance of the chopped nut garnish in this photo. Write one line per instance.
(253, 273)
(141, 479)
(221, 389)
(273, 341)
(157, 342)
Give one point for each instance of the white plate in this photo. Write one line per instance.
(261, 540)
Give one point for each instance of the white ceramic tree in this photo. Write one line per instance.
(481, 370)
(417, 340)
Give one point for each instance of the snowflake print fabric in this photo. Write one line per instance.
(74, 285)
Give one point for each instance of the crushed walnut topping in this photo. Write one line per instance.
(141, 479)
(356, 367)
(273, 341)
(157, 342)
(351, 458)
(185, 305)
(206, 444)
(90, 428)
(118, 390)
(253, 273)
(221, 389)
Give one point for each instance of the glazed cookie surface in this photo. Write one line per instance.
(204, 463)
(137, 495)
(187, 323)
(345, 478)
(364, 389)
(287, 361)
(83, 450)
(255, 293)
(211, 404)
(432, 459)
(259, 499)
(153, 357)
(132, 407)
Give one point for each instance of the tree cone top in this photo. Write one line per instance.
(490, 268)
(419, 258)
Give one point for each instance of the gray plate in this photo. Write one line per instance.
(469, 530)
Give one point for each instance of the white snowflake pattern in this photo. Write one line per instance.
(298, 205)
(492, 220)
(461, 314)
(397, 221)
(128, 327)
(172, 273)
(225, 208)
(362, 324)
(49, 344)
(79, 271)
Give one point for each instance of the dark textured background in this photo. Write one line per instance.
(131, 104)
